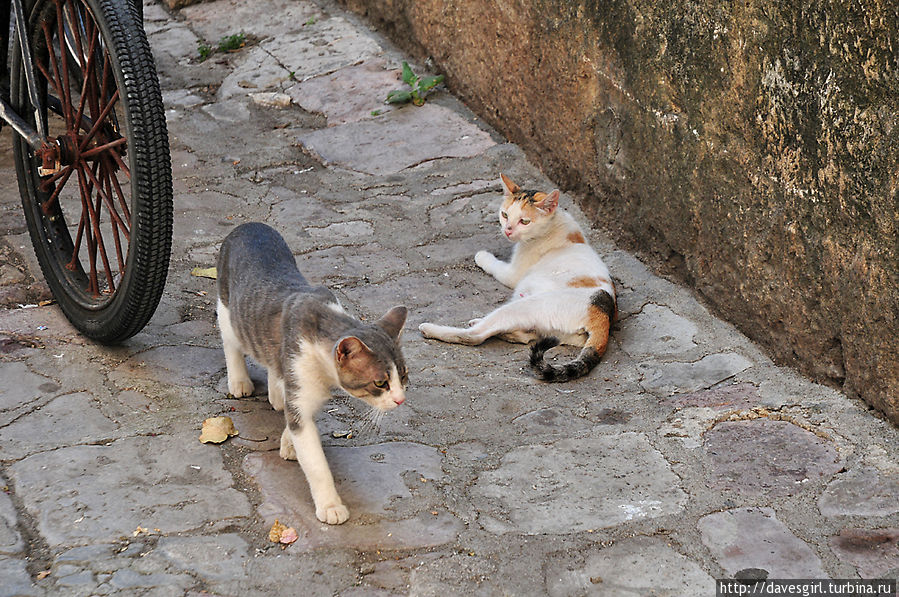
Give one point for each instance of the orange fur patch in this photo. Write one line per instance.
(597, 327)
(587, 282)
(577, 238)
(528, 210)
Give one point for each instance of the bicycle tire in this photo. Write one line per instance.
(120, 162)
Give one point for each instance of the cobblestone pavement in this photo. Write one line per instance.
(686, 456)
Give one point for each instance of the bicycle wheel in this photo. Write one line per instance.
(98, 194)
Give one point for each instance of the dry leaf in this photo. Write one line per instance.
(204, 272)
(217, 429)
(288, 536)
(139, 531)
(43, 574)
(274, 535)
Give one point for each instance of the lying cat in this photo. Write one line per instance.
(562, 290)
(302, 335)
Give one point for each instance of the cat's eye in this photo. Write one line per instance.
(524, 222)
(504, 215)
(381, 384)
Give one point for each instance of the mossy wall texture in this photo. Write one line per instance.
(752, 148)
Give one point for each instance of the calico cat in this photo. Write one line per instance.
(308, 344)
(563, 292)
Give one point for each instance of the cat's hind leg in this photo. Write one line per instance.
(275, 390)
(239, 383)
(504, 321)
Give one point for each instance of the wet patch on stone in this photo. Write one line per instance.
(543, 489)
(775, 458)
(746, 538)
(632, 567)
(551, 420)
(864, 491)
(260, 425)
(673, 378)
(181, 365)
(398, 140)
(873, 552)
(374, 482)
(101, 493)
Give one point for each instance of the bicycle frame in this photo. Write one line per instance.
(35, 138)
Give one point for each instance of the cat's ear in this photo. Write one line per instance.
(548, 203)
(348, 348)
(393, 321)
(509, 187)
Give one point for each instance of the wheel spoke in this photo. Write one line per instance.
(98, 121)
(107, 176)
(121, 195)
(65, 87)
(88, 70)
(101, 148)
(48, 203)
(106, 199)
(86, 178)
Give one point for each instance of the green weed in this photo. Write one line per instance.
(418, 88)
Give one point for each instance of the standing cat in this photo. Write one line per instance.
(302, 335)
(562, 290)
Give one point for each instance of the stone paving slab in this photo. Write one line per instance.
(686, 455)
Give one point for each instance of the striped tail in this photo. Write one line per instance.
(600, 314)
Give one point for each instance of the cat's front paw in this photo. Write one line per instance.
(240, 387)
(287, 451)
(484, 259)
(333, 513)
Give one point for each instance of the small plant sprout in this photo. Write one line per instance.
(419, 87)
(231, 43)
(204, 50)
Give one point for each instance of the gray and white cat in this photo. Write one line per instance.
(308, 344)
(562, 290)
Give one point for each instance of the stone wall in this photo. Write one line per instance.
(749, 149)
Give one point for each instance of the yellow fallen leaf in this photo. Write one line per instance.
(204, 272)
(289, 535)
(43, 574)
(274, 535)
(217, 429)
(139, 531)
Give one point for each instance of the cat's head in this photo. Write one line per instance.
(370, 364)
(525, 214)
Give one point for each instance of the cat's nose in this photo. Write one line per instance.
(399, 399)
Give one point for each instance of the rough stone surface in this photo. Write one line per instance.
(754, 538)
(377, 483)
(79, 493)
(778, 200)
(863, 491)
(777, 457)
(398, 140)
(540, 489)
(51, 426)
(639, 566)
(672, 378)
(486, 481)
